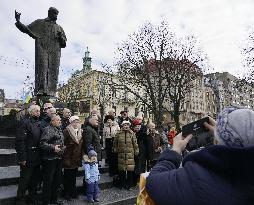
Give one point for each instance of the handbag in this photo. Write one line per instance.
(143, 197)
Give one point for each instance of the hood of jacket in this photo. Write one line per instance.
(230, 162)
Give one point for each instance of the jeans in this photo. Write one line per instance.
(92, 191)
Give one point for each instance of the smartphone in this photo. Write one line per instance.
(195, 128)
(201, 136)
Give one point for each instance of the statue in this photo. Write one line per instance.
(49, 39)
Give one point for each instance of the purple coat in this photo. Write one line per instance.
(213, 176)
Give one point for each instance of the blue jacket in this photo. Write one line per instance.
(216, 175)
(92, 173)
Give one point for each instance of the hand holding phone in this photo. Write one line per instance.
(210, 125)
(200, 131)
(180, 142)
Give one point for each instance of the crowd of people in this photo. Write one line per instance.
(50, 149)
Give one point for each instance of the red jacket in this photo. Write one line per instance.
(171, 136)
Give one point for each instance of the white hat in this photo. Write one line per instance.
(72, 118)
(126, 122)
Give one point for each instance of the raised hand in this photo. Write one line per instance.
(17, 16)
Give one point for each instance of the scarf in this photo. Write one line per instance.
(76, 134)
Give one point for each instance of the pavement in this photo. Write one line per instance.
(109, 196)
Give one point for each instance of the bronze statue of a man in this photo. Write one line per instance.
(49, 39)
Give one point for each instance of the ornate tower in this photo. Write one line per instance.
(87, 61)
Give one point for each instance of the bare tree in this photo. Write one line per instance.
(248, 54)
(154, 65)
(184, 65)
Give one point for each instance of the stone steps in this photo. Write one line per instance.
(8, 193)
(7, 157)
(10, 175)
(7, 142)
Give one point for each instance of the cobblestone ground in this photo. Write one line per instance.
(108, 195)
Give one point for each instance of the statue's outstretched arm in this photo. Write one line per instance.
(23, 28)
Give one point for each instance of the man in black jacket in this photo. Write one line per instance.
(52, 145)
(91, 137)
(28, 155)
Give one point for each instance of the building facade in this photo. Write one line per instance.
(2, 97)
(210, 94)
(88, 89)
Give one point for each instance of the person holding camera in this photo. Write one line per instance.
(52, 146)
(218, 174)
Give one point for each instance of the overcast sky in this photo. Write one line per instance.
(220, 25)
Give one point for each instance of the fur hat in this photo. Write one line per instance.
(91, 153)
(72, 118)
(235, 127)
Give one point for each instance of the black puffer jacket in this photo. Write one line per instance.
(51, 137)
(91, 139)
(27, 141)
(45, 122)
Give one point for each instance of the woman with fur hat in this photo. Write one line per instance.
(109, 131)
(218, 174)
(125, 145)
(72, 156)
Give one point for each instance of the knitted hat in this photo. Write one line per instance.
(136, 122)
(72, 118)
(235, 127)
(91, 153)
(126, 122)
(107, 117)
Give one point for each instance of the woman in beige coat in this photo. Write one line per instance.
(72, 156)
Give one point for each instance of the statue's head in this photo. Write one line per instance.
(52, 13)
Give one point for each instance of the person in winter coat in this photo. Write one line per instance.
(52, 146)
(124, 117)
(171, 135)
(72, 156)
(125, 145)
(218, 174)
(28, 155)
(140, 160)
(91, 137)
(66, 118)
(47, 119)
(155, 145)
(109, 131)
(92, 177)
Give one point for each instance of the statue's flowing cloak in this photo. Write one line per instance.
(47, 54)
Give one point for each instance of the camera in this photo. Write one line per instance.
(201, 136)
